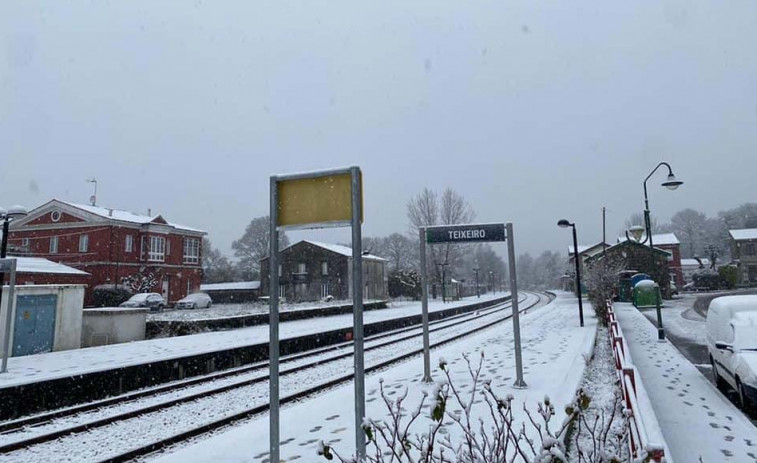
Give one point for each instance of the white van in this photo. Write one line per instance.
(732, 343)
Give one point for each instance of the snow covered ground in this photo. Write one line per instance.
(249, 308)
(554, 347)
(696, 419)
(43, 367)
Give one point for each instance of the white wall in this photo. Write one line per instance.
(113, 325)
(68, 313)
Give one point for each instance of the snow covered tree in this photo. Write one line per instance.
(690, 228)
(142, 281)
(638, 219)
(744, 216)
(254, 245)
(601, 280)
(401, 251)
(404, 283)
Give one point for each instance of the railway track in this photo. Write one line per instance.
(211, 398)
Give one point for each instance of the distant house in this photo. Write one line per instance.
(636, 257)
(667, 242)
(111, 245)
(587, 250)
(39, 271)
(236, 291)
(311, 270)
(744, 252)
(691, 266)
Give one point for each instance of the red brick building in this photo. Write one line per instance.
(111, 245)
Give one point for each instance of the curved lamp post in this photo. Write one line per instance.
(562, 223)
(672, 183)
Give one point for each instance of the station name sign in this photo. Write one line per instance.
(469, 233)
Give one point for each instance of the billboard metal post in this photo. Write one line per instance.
(519, 382)
(357, 311)
(10, 265)
(273, 346)
(424, 309)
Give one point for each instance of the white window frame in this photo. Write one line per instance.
(191, 251)
(302, 268)
(279, 270)
(325, 289)
(324, 268)
(282, 291)
(129, 244)
(53, 245)
(157, 250)
(84, 243)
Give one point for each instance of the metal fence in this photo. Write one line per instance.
(639, 441)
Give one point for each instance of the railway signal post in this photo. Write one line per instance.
(470, 233)
(323, 199)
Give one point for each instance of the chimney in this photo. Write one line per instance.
(110, 212)
(149, 212)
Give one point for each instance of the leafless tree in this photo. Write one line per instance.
(254, 245)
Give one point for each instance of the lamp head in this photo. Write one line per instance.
(672, 183)
(637, 231)
(562, 223)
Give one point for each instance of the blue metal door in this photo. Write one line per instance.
(34, 330)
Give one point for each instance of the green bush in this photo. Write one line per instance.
(729, 275)
(110, 296)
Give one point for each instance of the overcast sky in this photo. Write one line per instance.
(533, 111)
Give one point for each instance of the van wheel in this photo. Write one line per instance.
(719, 381)
(743, 398)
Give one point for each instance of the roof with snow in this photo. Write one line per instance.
(585, 248)
(121, 215)
(337, 248)
(40, 265)
(661, 239)
(694, 263)
(744, 234)
(231, 286)
(627, 243)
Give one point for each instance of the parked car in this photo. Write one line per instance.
(732, 344)
(194, 301)
(153, 301)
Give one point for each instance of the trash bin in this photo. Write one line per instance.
(646, 293)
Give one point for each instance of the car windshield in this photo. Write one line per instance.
(745, 337)
(139, 297)
(194, 297)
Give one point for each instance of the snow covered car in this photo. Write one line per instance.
(732, 344)
(153, 301)
(194, 301)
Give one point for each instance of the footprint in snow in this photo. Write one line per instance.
(332, 417)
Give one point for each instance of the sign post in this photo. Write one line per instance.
(8, 265)
(469, 233)
(323, 199)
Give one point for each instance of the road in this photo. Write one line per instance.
(685, 328)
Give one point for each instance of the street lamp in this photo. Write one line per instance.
(671, 184)
(478, 294)
(562, 223)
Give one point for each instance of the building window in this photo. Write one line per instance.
(282, 291)
(191, 250)
(749, 251)
(83, 243)
(279, 270)
(53, 245)
(301, 268)
(129, 243)
(325, 290)
(143, 248)
(157, 249)
(324, 268)
(168, 247)
(25, 243)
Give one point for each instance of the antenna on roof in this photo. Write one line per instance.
(93, 198)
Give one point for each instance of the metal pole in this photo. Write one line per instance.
(478, 293)
(424, 307)
(3, 248)
(648, 224)
(578, 276)
(357, 313)
(9, 312)
(273, 347)
(519, 382)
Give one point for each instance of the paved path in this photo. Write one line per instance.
(696, 419)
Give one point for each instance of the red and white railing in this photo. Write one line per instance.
(639, 441)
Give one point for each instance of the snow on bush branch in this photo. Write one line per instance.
(493, 436)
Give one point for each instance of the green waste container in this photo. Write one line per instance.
(646, 293)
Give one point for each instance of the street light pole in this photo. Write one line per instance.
(478, 294)
(671, 184)
(565, 224)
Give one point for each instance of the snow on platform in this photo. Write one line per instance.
(696, 419)
(52, 365)
(553, 357)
